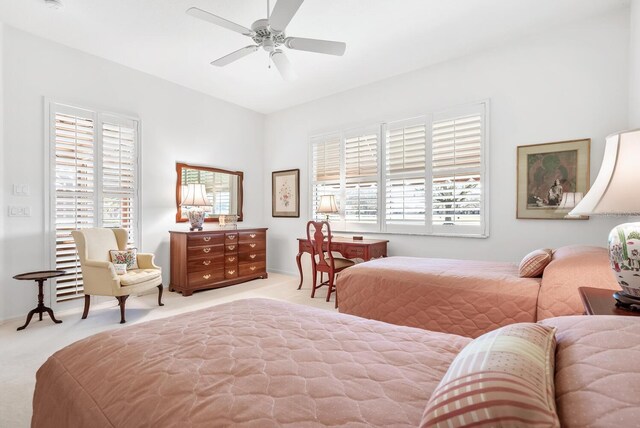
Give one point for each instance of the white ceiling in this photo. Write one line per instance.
(384, 38)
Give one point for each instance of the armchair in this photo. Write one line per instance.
(98, 273)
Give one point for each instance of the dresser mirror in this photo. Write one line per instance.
(223, 191)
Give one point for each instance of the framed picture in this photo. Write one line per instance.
(550, 177)
(285, 193)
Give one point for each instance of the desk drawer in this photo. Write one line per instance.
(197, 265)
(209, 239)
(251, 247)
(353, 252)
(251, 256)
(206, 277)
(251, 268)
(252, 236)
(204, 252)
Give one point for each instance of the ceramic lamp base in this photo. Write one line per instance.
(196, 218)
(624, 256)
(626, 301)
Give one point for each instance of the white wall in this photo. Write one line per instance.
(634, 66)
(566, 84)
(2, 205)
(178, 124)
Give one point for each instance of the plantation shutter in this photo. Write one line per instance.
(361, 176)
(406, 148)
(74, 190)
(326, 171)
(457, 173)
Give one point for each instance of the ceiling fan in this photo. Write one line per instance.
(269, 35)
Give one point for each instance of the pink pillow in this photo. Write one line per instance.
(533, 264)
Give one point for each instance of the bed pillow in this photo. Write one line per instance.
(533, 264)
(502, 378)
(128, 257)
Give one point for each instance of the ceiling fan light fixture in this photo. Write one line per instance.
(54, 4)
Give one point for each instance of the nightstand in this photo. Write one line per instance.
(600, 301)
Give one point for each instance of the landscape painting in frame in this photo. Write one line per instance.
(546, 172)
(285, 193)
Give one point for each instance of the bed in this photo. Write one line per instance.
(469, 297)
(265, 363)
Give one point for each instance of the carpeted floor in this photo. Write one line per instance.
(23, 352)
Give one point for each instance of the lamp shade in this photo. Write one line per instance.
(327, 205)
(614, 192)
(195, 196)
(570, 200)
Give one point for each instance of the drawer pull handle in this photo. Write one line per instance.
(207, 276)
(231, 259)
(253, 235)
(206, 262)
(231, 247)
(207, 238)
(231, 237)
(252, 245)
(252, 268)
(252, 256)
(231, 272)
(206, 250)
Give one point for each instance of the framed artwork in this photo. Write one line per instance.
(285, 193)
(548, 171)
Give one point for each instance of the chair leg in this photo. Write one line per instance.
(160, 295)
(315, 281)
(121, 302)
(330, 280)
(87, 302)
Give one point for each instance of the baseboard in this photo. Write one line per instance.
(283, 272)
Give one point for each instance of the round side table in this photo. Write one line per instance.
(39, 277)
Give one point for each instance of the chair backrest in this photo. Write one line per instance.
(320, 243)
(95, 243)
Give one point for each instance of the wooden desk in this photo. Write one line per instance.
(600, 301)
(365, 249)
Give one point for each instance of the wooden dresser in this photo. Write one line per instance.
(216, 258)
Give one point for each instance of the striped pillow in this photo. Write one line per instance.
(502, 378)
(533, 264)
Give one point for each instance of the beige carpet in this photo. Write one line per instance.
(23, 352)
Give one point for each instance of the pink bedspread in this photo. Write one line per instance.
(463, 297)
(255, 363)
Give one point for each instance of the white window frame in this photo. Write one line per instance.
(481, 107)
(51, 106)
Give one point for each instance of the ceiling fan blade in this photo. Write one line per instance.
(314, 45)
(283, 65)
(282, 14)
(214, 19)
(234, 56)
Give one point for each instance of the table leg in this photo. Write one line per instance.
(31, 312)
(299, 262)
(50, 312)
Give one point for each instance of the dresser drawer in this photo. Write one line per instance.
(203, 252)
(251, 256)
(212, 262)
(251, 236)
(249, 247)
(200, 240)
(251, 268)
(230, 258)
(231, 248)
(231, 271)
(231, 238)
(206, 277)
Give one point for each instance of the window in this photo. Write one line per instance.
(426, 176)
(93, 182)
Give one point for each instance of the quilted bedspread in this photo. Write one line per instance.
(463, 297)
(597, 382)
(254, 362)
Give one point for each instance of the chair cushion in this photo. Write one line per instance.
(127, 257)
(502, 378)
(340, 263)
(137, 276)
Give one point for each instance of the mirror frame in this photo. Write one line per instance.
(180, 166)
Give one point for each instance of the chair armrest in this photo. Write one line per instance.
(100, 277)
(145, 261)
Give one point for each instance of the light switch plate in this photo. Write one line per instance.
(21, 190)
(19, 211)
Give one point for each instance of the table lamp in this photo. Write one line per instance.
(568, 202)
(327, 206)
(614, 192)
(195, 199)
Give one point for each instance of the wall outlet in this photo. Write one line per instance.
(19, 211)
(21, 190)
